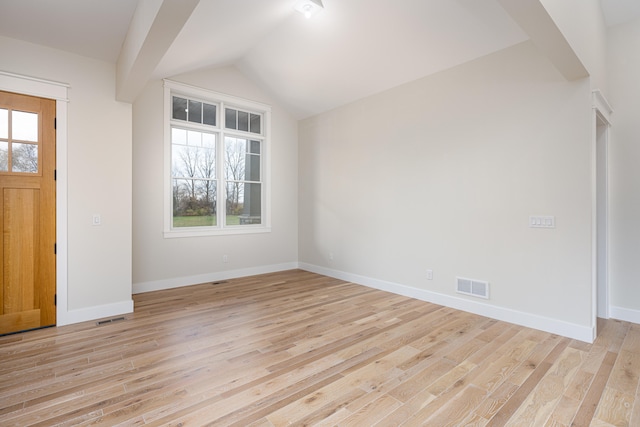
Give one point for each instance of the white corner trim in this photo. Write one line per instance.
(554, 326)
(178, 282)
(96, 312)
(625, 314)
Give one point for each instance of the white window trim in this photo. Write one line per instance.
(196, 92)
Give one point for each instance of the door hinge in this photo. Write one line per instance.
(55, 123)
(55, 249)
(55, 174)
(55, 299)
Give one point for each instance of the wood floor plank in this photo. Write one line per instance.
(371, 413)
(543, 399)
(298, 348)
(492, 404)
(563, 413)
(537, 355)
(615, 407)
(632, 339)
(457, 409)
(516, 400)
(504, 366)
(635, 412)
(592, 399)
(626, 372)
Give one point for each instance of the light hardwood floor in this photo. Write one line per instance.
(297, 348)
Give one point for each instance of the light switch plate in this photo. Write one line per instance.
(542, 221)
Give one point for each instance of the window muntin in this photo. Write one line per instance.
(19, 144)
(216, 155)
(242, 120)
(193, 111)
(242, 174)
(193, 174)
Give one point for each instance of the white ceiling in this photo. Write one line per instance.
(353, 49)
(92, 28)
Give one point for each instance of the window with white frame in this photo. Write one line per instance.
(216, 154)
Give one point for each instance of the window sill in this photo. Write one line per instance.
(174, 234)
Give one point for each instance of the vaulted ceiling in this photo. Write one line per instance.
(352, 49)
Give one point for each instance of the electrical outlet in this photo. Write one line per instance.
(429, 274)
(330, 255)
(96, 220)
(225, 258)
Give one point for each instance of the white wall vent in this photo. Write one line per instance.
(475, 288)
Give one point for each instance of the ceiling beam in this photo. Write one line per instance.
(154, 27)
(535, 20)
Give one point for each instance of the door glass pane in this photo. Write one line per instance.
(24, 158)
(4, 156)
(4, 123)
(24, 126)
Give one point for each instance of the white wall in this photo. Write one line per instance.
(443, 173)
(99, 176)
(624, 184)
(159, 262)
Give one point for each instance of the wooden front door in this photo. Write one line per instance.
(27, 210)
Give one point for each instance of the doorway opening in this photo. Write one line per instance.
(601, 131)
(602, 196)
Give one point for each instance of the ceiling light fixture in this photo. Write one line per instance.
(308, 7)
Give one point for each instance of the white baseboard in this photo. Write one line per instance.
(178, 282)
(626, 314)
(554, 326)
(93, 313)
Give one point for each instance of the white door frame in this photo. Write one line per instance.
(601, 113)
(26, 85)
